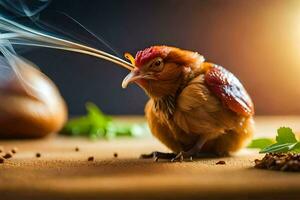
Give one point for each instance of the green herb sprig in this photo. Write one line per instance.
(285, 142)
(95, 124)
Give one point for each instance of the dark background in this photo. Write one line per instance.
(257, 40)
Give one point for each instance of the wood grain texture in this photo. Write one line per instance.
(63, 173)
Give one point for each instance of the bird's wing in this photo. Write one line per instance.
(212, 102)
(200, 112)
(229, 90)
(198, 109)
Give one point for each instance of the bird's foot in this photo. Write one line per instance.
(182, 156)
(156, 155)
(191, 156)
(173, 157)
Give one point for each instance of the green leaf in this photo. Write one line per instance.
(279, 148)
(261, 143)
(285, 135)
(118, 128)
(296, 149)
(97, 125)
(96, 115)
(285, 142)
(77, 126)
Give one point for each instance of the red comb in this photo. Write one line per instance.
(148, 54)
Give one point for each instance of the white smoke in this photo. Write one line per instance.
(37, 34)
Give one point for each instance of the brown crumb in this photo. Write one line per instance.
(14, 150)
(91, 158)
(2, 160)
(279, 161)
(38, 155)
(221, 162)
(7, 156)
(115, 155)
(1, 149)
(76, 148)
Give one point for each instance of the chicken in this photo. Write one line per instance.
(195, 107)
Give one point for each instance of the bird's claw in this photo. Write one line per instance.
(182, 156)
(178, 157)
(156, 155)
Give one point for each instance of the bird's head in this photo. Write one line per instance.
(160, 70)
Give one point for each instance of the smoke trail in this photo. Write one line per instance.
(13, 72)
(98, 38)
(32, 9)
(40, 36)
(25, 8)
(36, 33)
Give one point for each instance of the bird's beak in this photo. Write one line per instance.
(131, 77)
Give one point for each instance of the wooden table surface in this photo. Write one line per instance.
(63, 173)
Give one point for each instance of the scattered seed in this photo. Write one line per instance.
(221, 162)
(38, 155)
(14, 150)
(2, 160)
(7, 156)
(76, 148)
(91, 158)
(279, 161)
(115, 155)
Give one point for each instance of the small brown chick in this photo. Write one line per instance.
(195, 107)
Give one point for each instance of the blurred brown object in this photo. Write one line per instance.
(31, 106)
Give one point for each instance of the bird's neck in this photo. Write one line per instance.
(165, 105)
(165, 102)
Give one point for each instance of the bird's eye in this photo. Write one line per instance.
(157, 65)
